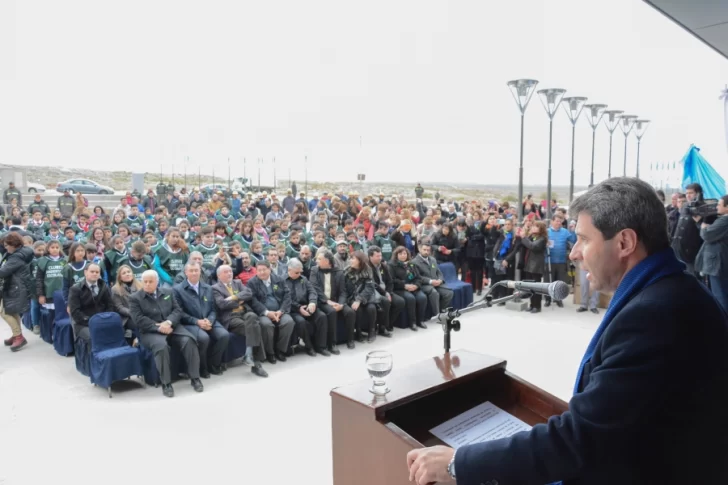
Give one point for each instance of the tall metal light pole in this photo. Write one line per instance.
(275, 180)
(229, 180)
(594, 113)
(260, 162)
(640, 127)
(551, 99)
(573, 106)
(522, 90)
(305, 168)
(626, 123)
(611, 122)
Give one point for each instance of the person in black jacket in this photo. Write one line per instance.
(445, 244)
(331, 290)
(156, 316)
(272, 303)
(361, 296)
(712, 259)
(199, 316)
(14, 277)
(686, 240)
(406, 283)
(534, 258)
(649, 398)
(87, 298)
(390, 304)
(492, 234)
(475, 254)
(310, 321)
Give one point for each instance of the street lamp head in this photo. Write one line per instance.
(522, 90)
(640, 126)
(573, 106)
(551, 99)
(626, 123)
(612, 119)
(594, 113)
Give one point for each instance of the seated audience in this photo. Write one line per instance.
(406, 282)
(433, 282)
(360, 296)
(331, 291)
(87, 298)
(310, 321)
(126, 285)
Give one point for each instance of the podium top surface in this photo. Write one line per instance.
(420, 379)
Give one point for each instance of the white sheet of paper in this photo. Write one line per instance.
(484, 422)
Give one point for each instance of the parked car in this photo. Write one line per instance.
(35, 188)
(84, 186)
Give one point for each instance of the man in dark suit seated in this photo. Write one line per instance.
(87, 298)
(650, 396)
(195, 301)
(155, 314)
(272, 303)
(233, 300)
(331, 291)
(310, 321)
(391, 303)
(433, 282)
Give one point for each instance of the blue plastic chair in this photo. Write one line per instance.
(462, 291)
(236, 348)
(177, 365)
(111, 358)
(62, 329)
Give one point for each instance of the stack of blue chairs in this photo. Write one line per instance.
(463, 292)
(62, 329)
(111, 357)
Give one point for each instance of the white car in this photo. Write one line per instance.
(34, 188)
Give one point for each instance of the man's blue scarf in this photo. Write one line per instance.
(506, 244)
(647, 272)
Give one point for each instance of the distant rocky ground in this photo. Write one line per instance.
(50, 176)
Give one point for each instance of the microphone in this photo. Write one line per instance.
(558, 290)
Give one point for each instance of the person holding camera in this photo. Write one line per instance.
(712, 259)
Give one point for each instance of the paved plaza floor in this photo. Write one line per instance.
(56, 427)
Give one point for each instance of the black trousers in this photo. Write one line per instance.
(489, 269)
(501, 291)
(366, 319)
(389, 312)
(313, 330)
(476, 272)
(535, 299)
(159, 345)
(247, 325)
(332, 315)
(211, 344)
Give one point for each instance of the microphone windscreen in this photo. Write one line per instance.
(558, 290)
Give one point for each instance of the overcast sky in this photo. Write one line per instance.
(422, 85)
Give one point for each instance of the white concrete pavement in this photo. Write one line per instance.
(57, 427)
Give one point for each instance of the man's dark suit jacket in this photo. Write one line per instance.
(260, 294)
(193, 305)
(84, 304)
(224, 306)
(338, 285)
(148, 310)
(652, 406)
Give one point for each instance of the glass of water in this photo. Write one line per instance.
(379, 365)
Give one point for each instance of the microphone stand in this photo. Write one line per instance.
(449, 318)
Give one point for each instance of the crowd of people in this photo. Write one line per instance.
(188, 270)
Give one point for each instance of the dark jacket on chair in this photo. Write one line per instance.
(195, 306)
(651, 406)
(84, 304)
(149, 310)
(225, 307)
(338, 287)
(260, 294)
(712, 259)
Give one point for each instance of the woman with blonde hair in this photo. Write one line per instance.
(126, 285)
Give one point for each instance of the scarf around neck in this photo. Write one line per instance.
(506, 245)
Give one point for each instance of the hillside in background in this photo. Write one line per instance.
(119, 180)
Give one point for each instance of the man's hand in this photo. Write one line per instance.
(204, 324)
(697, 218)
(427, 465)
(355, 305)
(311, 308)
(389, 297)
(505, 263)
(231, 298)
(304, 311)
(164, 328)
(42, 300)
(702, 226)
(409, 287)
(436, 283)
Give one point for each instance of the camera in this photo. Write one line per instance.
(703, 208)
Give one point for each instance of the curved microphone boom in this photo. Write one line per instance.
(558, 290)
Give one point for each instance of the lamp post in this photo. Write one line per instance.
(626, 123)
(551, 99)
(640, 127)
(612, 121)
(594, 113)
(522, 90)
(573, 106)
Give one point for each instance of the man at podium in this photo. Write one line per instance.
(650, 398)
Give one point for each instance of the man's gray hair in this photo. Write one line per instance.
(196, 253)
(626, 203)
(152, 273)
(222, 268)
(192, 264)
(295, 263)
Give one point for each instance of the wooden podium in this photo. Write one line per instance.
(372, 435)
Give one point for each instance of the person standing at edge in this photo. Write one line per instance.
(649, 399)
